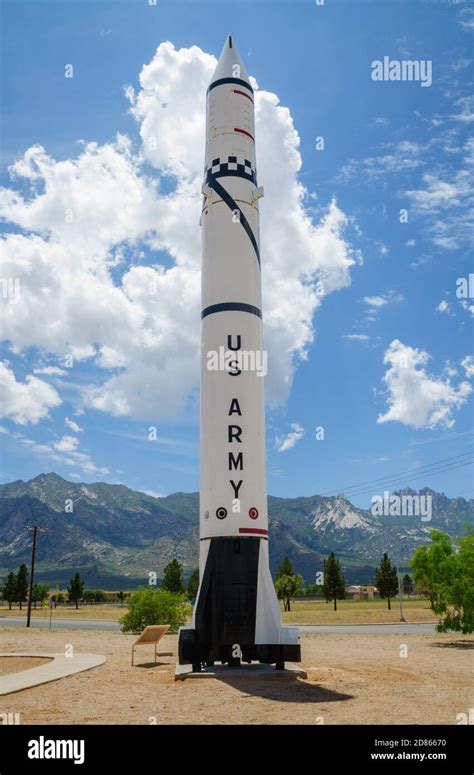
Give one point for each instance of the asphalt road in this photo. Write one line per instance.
(60, 624)
(359, 629)
(371, 629)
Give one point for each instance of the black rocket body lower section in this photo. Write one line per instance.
(225, 618)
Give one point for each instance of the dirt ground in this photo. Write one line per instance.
(352, 679)
(17, 664)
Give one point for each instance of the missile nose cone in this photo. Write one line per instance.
(230, 64)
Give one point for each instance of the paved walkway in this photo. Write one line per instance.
(59, 667)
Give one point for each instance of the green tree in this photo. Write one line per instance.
(173, 578)
(426, 562)
(407, 584)
(421, 589)
(121, 597)
(315, 590)
(333, 584)
(285, 568)
(386, 579)
(10, 589)
(153, 606)
(22, 585)
(287, 587)
(39, 593)
(75, 589)
(448, 571)
(325, 586)
(193, 585)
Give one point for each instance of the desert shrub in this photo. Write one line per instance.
(153, 606)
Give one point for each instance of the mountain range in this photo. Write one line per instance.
(116, 536)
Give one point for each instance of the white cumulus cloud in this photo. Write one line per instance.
(109, 257)
(468, 365)
(288, 441)
(73, 426)
(67, 444)
(415, 397)
(375, 302)
(445, 200)
(25, 402)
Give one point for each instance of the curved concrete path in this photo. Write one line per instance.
(60, 667)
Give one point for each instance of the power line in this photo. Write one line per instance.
(390, 482)
(399, 482)
(399, 473)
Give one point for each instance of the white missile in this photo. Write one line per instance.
(237, 614)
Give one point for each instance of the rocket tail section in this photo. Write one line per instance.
(237, 615)
(268, 620)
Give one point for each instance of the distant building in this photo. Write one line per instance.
(357, 592)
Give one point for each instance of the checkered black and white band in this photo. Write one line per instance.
(232, 166)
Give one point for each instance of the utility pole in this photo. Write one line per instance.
(35, 531)
(400, 594)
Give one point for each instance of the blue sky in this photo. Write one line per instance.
(390, 340)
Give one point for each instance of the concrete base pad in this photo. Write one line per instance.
(255, 670)
(59, 667)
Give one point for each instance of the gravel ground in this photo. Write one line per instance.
(17, 664)
(352, 679)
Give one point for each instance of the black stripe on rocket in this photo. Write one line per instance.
(232, 204)
(231, 306)
(226, 173)
(222, 81)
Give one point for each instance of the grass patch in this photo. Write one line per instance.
(302, 612)
(357, 612)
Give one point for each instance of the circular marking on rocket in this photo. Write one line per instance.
(253, 513)
(221, 512)
(206, 515)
